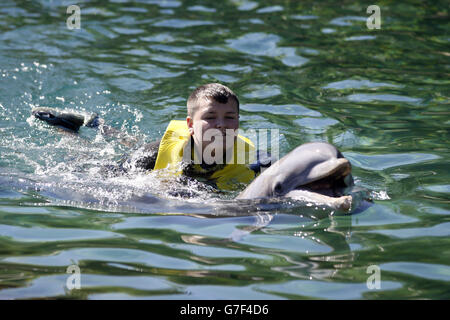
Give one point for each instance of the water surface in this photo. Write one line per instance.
(312, 70)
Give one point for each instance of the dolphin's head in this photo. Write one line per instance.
(316, 167)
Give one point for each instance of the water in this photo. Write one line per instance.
(312, 70)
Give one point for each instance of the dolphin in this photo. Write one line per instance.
(315, 172)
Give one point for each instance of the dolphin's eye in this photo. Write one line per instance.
(278, 189)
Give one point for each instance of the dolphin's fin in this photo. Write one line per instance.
(66, 119)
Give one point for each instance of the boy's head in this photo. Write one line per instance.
(210, 91)
(212, 106)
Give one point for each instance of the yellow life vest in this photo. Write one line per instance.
(171, 153)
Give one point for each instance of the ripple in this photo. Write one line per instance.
(212, 292)
(217, 252)
(154, 72)
(433, 210)
(105, 32)
(97, 12)
(123, 255)
(22, 210)
(440, 230)
(385, 161)
(328, 30)
(127, 31)
(357, 84)
(366, 97)
(162, 4)
(422, 270)
(201, 9)
(262, 91)
(137, 52)
(170, 60)
(288, 109)
(106, 68)
(131, 84)
(136, 282)
(316, 124)
(252, 21)
(360, 38)
(325, 290)
(255, 43)
(182, 23)
(263, 44)
(310, 51)
(167, 11)
(47, 286)
(290, 58)
(161, 37)
(244, 5)
(285, 243)
(36, 234)
(55, 285)
(347, 20)
(304, 17)
(138, 10)
(201, 292)
(381, 215)
(186, 225)
(350, 139)
(270, 9)
(229, 68)
(437, 188)
(9, 194)
(220, 77)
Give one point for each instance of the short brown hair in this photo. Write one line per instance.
(216, 91)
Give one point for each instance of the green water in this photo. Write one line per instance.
(312, 70)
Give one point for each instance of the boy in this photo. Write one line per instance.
(206, 146)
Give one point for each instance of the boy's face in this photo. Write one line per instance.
(211, 114)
